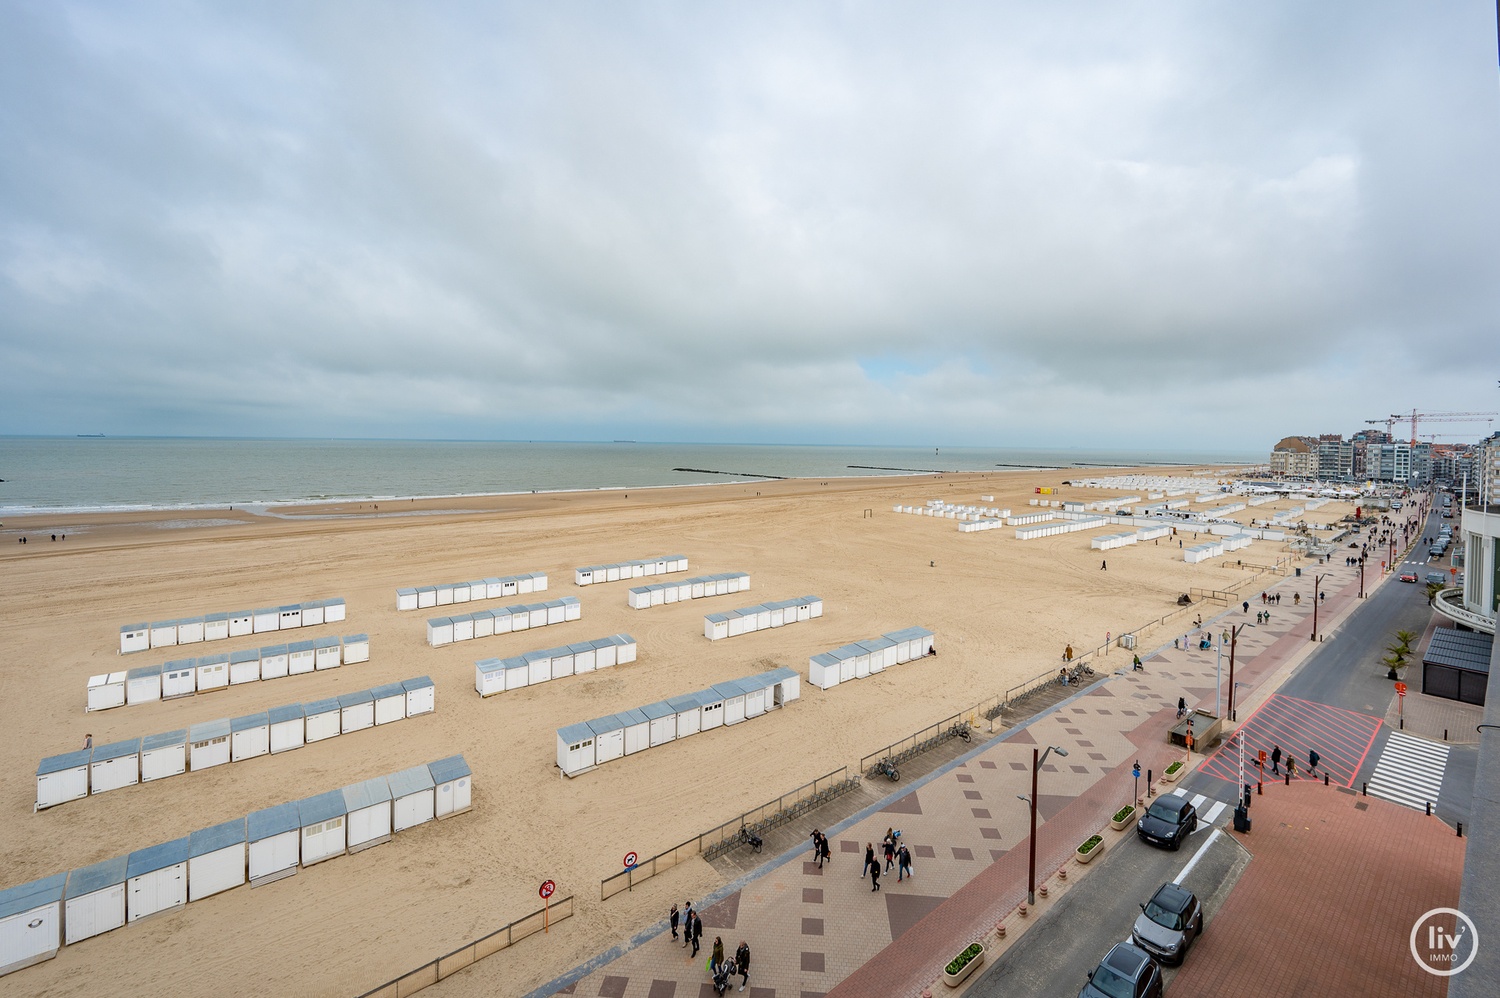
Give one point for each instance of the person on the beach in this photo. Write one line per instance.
(673, 920)
(1103, 566)
(742, 963)
(1068, 653)
(88, 741)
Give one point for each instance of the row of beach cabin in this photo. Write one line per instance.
(866, 658)
(486, 623)
(733, 623)
(207, 673)
(1051, 528)
(594, 574)
(582, 747)
(422, 597)
(39, 918)
(221, 626)
(641, 597)
(75, 775)
(1216, 548)
(949, 511)
(496, 675)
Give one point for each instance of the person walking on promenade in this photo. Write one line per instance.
(676, 915)
(903, 863)
(717, 956)
(687, 924)
(817, 838)
(742, 963)
(827, 853)
(1246, 608)
(889, 847)
(1291, 767)
(1312, 763)
(697, 933)
(875, 876)
(1135, 664)
(869, 859)
(1276, 759)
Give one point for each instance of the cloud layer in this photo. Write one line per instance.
(982, 224)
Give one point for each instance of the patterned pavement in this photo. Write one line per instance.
(815, 932)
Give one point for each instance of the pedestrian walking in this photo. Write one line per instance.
(88, 741)
(1068, 653)
(817, 838)
(1103, 566)
(742, 963)
(890, 852)
(697, 933)
(869, 859)
(1246, 608)
(673, 919)
(827, 853)
(1312, 762)
(1135, 664)
(717, 956)
(1276, 759)
(903, 863)
(1291, 766)
(687, 925)
(875, 876)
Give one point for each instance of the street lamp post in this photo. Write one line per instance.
(1234, 635)
(1317, 588)
(1036, 767)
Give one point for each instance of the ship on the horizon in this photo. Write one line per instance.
(90, 435)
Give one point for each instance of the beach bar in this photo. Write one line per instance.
(31, 921)
(216, 859)
(274, 836)
(94, 902)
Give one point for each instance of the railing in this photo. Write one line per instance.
(915, 744)
(502, 938)
(719, 840)
(1216, 595)
(1448, 603)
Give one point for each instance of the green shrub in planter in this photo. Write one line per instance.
(1174, 767)
(962, 960)
(1124, 812)
(1088, 846)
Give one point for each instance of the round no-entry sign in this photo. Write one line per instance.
(630, 859)
(546, 889)
(1401, 689)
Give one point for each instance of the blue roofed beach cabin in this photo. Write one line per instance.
(31, 920)
(156, 879)
(454, 785)
(274, 834)
(95, 900)
(61, 778)
(216, 859)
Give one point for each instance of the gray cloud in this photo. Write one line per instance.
(978, 224)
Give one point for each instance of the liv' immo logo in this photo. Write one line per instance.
(1444, 941)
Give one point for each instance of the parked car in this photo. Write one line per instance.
(1169, 923)
(1408, 576)
(1169, 821)
(1127, 971)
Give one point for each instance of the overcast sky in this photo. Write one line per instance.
(1168, 225)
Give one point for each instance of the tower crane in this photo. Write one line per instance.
(1439, 417)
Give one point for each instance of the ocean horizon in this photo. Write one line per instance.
(83, 474)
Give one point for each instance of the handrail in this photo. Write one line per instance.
(470, 953)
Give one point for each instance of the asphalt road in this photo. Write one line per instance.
(1055, 955)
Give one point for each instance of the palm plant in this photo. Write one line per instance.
(1399, 651)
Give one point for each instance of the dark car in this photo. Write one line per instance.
(1437, 577)
(1169, 820)
(1127, 971)
(1169, 923)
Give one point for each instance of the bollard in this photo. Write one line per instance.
(1325, 779)
(1364, 790)
(1021, 910)
(1460, 829)
(1289, 778)
(1000, 930)
(1042, 890)
(1259, 788)
(1062, 874)
(1429, 809)
(1445, 734)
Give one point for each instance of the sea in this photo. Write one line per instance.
(119, 474)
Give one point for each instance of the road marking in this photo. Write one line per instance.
(1182, 874)
(1410, 771)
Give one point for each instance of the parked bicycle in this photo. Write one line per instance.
(960, 730)
(749, 838)
(887, 768)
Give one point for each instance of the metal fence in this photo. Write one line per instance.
(915, 744)
(720, 839)
(502, 938)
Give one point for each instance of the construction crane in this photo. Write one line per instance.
(1437, 417)
(1388, 423)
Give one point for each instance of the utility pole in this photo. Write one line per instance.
(1234, 634)
(1317, 588)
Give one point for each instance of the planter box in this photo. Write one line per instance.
(954, 980)
(1088, 857)
(1124, 822)
(1173, 777)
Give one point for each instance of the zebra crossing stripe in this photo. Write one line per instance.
(1214, 812)
(1198, 800)
(1410, 771)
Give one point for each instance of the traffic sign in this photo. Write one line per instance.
(1401, 689)
(630, 859)
(546, 890)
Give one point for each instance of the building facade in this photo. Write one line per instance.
(1294, 457)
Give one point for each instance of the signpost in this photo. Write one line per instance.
(545, 892)
(1136, 772)
(1401, 704)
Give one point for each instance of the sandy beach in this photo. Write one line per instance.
(1002, 610)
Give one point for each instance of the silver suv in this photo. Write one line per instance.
(1168, 923)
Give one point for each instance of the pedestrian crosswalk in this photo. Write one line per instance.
(1205, 818)
(1410, 771)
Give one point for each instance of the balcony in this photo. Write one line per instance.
(1450, 603)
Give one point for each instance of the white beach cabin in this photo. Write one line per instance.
(323, 719)
(356, 649)
(301, 658)
(143, 685)
(369, 805)
(244, 667)
(711, 705)
(190, 631)
(412, 797)
(406, 599)
(266, 619)
(489, 676)
(212, 672)
(94, 902)
(249, 736)
(609, 741)
(135, 637)
(106, 691)
(208, 744)
(156, 879)
(241, 623)
(390, 703)
(326, 653)
(689, 714)
(421, 695)
(115, 765)
(163, 633)
(275, 843)
(637, 730)
(61, 778)
(31, 921)
(216, 859)
(734, 701)
(454, 785)
(275, 662)
(663, 718)
(288, 727)
(164, 755)
(215, 626)
(323, 826)
(357, 710)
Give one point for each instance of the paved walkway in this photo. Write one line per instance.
(1286, 928)
(815, 932)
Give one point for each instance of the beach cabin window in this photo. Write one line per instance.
(213, 741)
(575, 748)
(713, 707)
(330, 825)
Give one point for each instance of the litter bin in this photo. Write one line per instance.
(1241, 820)
(1299, 573)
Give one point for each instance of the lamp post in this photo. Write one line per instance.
(1317, 588)
(1361, 576)
(1036, 767)
(1234, 635)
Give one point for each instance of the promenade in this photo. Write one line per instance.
(815, 932)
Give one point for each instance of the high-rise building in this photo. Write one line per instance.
(1335, 457)
(1388, 462)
